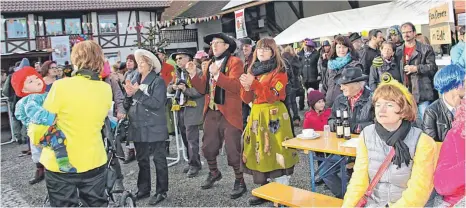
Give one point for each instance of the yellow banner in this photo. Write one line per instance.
(440, 35)
(439, 14)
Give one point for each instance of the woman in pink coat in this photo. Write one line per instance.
(449, 176)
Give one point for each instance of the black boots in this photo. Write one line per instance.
(39, 176)
(239, 188)
(211, 179)
(130, 157)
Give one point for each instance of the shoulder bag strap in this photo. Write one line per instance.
(380, 172)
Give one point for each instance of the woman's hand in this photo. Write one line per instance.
(246, 81)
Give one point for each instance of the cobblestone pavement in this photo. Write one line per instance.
(184, 192)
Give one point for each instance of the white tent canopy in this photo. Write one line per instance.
(366, 18)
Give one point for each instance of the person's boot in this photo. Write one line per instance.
(118, 187)
(193, 171)
(211, 179)
(186, 169)
(130, 157)
(39, 176)
(239, 188)
(256, 201)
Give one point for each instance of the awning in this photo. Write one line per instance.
(355, 20)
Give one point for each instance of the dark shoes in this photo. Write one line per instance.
(118, 187)
(238, 189)
(211, 179)
(39, 175)
(186, 169)
(256, 201)
(142, 195)
(157, 198)
(193, 171)
(130, 157)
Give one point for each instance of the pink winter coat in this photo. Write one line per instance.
(449, 176)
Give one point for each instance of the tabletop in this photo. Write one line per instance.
(331, 145)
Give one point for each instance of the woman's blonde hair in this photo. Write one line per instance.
(88, 55)
(392, 93)
(270, 43)
(290, 50)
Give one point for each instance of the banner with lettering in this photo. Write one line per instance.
(439, 18)
(61, 49)
(240, 24)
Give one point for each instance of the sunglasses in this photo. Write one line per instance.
(179, 58)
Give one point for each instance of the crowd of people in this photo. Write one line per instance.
(247, 97)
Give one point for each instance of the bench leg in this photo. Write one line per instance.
(311, 166)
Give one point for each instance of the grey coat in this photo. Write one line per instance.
(332, 86)
(394, 180)
(117, 93)
(147, 110)
(423, 57)
(192, 115)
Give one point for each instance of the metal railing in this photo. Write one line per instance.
(179, 36)
(44, 42)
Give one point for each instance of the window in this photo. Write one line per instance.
(16, 27)
(107, 23)
(73, 26)
(53, 27)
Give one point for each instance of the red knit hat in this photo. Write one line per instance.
(313, 97)
(19, 77)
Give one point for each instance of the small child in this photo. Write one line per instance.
(317, 116)
(29, 85)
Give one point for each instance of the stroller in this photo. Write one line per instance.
(110, 132)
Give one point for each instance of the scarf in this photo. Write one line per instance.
(264, 67)
(339, 62)
(88, 74)
(219, 93)
(395, 140)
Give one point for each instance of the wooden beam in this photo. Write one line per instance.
(296, 12)
(301, 8)
(354, 4)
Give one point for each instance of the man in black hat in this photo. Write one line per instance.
(355, 39)
(190, 106)
(247, 48)
(356, 100)
(222, 111)
(371, 50)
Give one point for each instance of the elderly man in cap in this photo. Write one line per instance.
(356, 100)
(247, 47)
(167, 69)
(222, 111)
(356, 40)
(190, 106)
(309, 57)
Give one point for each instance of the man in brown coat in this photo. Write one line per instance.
(222, 110)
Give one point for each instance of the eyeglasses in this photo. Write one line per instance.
(406, 32)
(264, 49)
(216, 42)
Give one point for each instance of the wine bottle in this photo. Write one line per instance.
(339, 125)
(346, 126)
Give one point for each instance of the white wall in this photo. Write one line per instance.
(2, 31)
(32, 27)
(95, 26)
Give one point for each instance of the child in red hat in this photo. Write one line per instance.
(317, 116)
(29, 85)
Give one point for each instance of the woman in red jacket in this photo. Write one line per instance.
(449, 176)
(317, 116)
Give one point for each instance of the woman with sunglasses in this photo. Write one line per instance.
(49, 72)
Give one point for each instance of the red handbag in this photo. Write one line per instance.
(363, 201)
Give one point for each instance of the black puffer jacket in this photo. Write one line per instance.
(293, 65)
(423, 57)
(362, 116)
(332, 86)
(309, 72)
(437, 120)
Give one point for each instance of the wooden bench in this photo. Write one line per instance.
(289, 196)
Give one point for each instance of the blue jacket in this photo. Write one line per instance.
(458, 56)
(29, 109)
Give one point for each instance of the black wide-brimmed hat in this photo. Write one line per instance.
(181, 51)
(351, 75)
(354, 36)
(230, 41)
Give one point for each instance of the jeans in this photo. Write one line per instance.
(421, 108)
(332, 179)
